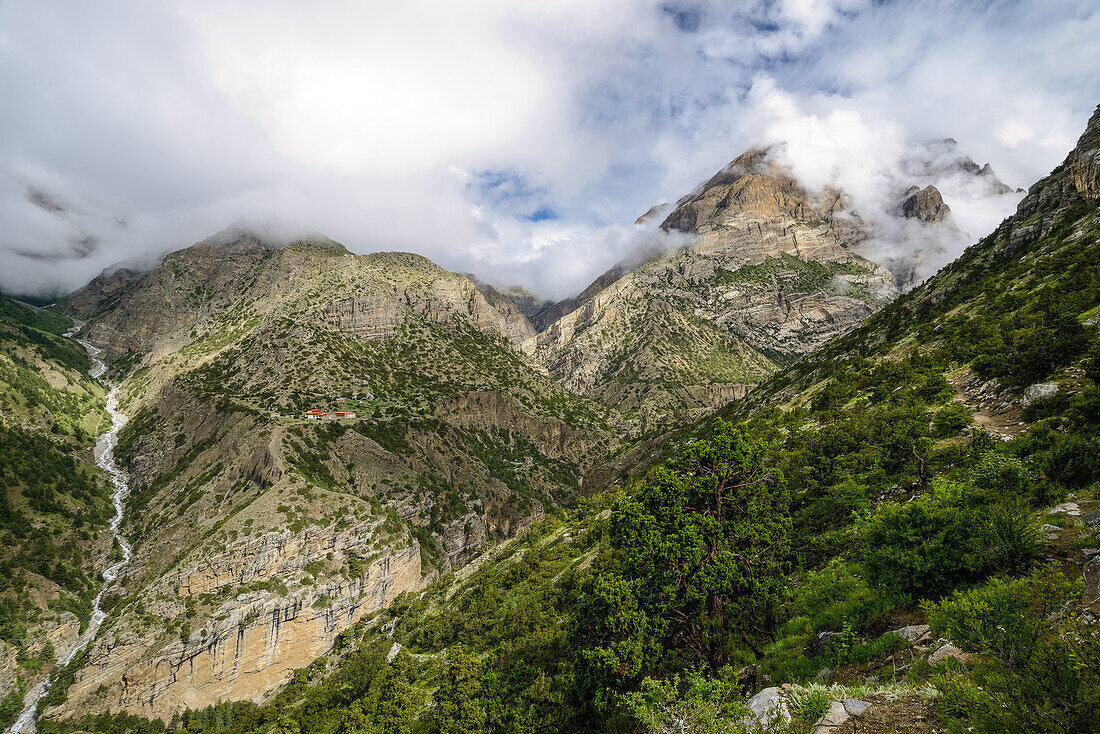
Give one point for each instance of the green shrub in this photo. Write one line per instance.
(1000, 472)
(1038, 661)
(690, 704)
(951, 419)
(835, 594)
(933, 545)
(921, 549)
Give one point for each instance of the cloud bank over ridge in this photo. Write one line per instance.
(514, 140)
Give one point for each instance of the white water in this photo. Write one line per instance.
(105, 460)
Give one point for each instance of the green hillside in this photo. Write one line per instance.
(54, 506)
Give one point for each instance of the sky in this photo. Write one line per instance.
(518, 140)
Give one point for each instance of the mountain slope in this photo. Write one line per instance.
(259, 535)
(1015, 308)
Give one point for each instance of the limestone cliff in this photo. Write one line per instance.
(253, 637)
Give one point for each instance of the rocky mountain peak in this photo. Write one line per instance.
(655, 211)
(753, 184)
(925, 204)
(943, 159)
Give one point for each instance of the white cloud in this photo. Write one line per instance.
(1014, 132)
(375, 124)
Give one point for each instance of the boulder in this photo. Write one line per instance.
(1039, 391)
(1092, 580)
(1091, 519)
(1066, 508)
(766, 709)
(834, 717)
(1049, 532)
(855, 707)
(914, 633)
(947, 651)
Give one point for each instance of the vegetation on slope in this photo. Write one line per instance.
(53, 504)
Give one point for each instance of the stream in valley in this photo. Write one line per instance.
(105, 460)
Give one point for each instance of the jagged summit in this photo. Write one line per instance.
(925, 204)
(751, 183)
(940, 159)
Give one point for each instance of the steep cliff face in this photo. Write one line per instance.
(772, 275)
(516, 307)
(1084, 162)
(267, 615)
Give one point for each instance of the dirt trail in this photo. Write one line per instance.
(991, 411)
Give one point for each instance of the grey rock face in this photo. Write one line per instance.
(925, 204)
(1092, 519)
(1040, 391)
(947, 651)
(767, 708)
(1084, 162)
(914, 633)
(834, 717)
(1092, 580)
(855, 707)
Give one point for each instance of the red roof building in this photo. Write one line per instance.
(344, 414)
(315, 414)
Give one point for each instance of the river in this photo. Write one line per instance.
(105, 460)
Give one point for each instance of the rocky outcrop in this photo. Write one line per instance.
(1038, 392)
(491, 409)
(925, 204)
(945, 651)
(1083, 163)
(1049, 199)
(767, 710)
(274, 556)
(380, 315)
(1092, 581)
(516, 327)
